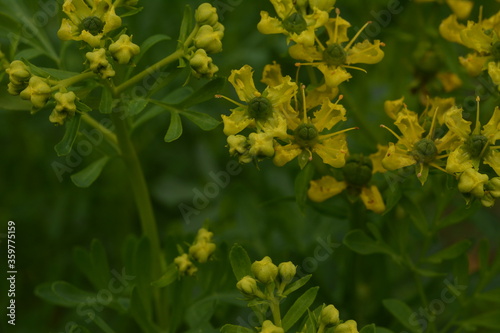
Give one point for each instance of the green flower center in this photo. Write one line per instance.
(358, 170)
(295, 23)
(475, 145)
(93, 24)
(306, 134)
(495, 51)
(335, 55)
(424, 151)
(260, 108)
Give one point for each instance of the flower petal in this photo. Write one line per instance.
(474, 38)
(365, 53)
(332, 150)
(270, 25)
(407, 122)
(284, 154)
(459, 160)
(450, 29)
(457, 124)
(396, 158)
(325, 188)
(328, 116)
(236, 122)
(372, 199)
(493, 160)
(242, 81)
(492, 129)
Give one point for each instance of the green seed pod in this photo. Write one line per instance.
(424, 151)
(475, 145)
(358, 170)
(260, 108)
(335, 55)
(295, 23)
(93, 24)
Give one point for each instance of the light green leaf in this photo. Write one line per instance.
(72, 294)
(82, 106)
(169, 277)
(450, 252)
(87, 176)
(175, 129)
(106, 103)
(136, 106)
(296, 285)
(202, 120)
(401, 312)
(64, 147)
(240, 262)
(235, 329)
(298, 308)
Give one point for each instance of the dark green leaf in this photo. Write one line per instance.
(458, 215)
(72, 294)
(87, 176)
(106, 103)
(489, 296)
(235, 329)
(360, 242)
(199, 314)
(202, 120)
(45, 292)
(392, 196)
(100, 263)
(141, 316)
(298, 308)
(296, 285)
(169, 277)
(401, 312)
(450, 252)
(489, 320)
(29, 54)
(149, 43)
(368, 329)
(82, 106)
(205, 93)
(64, 147)
(240, 262)
(302, 185)
(416, 215)
(135, 106)
(175, 129)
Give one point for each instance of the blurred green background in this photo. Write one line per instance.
(257, 209)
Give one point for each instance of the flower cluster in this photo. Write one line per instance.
(483, 38)
(201, 250)
(468, 154)
(208, 34)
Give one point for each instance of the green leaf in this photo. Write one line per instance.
(235, 329)
(401, 312)
(382, 330)
(202, 120)
(392, 197)
(100, 263)
(87, 176)
(458, 215)
(416, 215)
(82, 106)
(136, 106)
(450, 252)
(186, 26)
(368, 329)
(45, 292)
(296, 285)
(489, 296)
(175, 129)
(298, 308)
(302, 185)
(240, 262)
(205, 93)
(169, 277)
(141, 316)
(72, 294)
(489, 320)
(358, 241)
(29, 54)
(64, 147)
(199, 313)
(149, 43)
(106, 103)
(132, 12)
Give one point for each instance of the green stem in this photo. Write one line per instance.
(275, 309)
(109, 135)
(148, 71)
(72, 80)
(423, 299)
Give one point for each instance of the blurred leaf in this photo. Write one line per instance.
(302, 185)
(202, 120)
(457, 215)
(401, 312)
(240, 262)
(64, 147)
(132, 12)
(489, 296)
(169, 277)
(461, 269)
(45, 292)
(185, 29)
(100, 263)
(368, 329)
(175, 128)
(72, 294)
(87, 176)
(149, 43)
(106, 103)
(392, 197)
(360, 242)
(14, 103)
(296, 285)
(235, 329)
(29, 54)
(203, 94)
(427, 273)
(141, 315)
(298, 308)
(199, 313)
(83, 261)
(450, 252)
(82, 106)
(136, 106)
(416, 215)
(489, 320)
(382, 330)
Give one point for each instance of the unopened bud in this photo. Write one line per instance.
(202, 64)
(264, 270)
(269, 327)
(287, 271)
(329, 315)
(206, 14)
(64, 108)
(123, 49)
(184, 265)
(471, 181)
(349, 326)
(38, 92)
(209, 39)
(19, 76)
(247, 285)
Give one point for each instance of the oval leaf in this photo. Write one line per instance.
(202, 120)
(175, 129)
(368, 329)
(205, 93)
(64, 147)
(87, 176)
(299, 308)
(240, 262)
(169, 277)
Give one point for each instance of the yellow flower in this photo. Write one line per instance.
(65, 107)
(307, 138)
(202, 247)
(38, 92)
(357, 173)
(494, 73)
(123, 49)
(476, 145)
(460, 8)
(333, 58)
(98, 63)
(350, 326)
(269, 327)
(412, 148)
(263, 111)
(294, 21)
(184, 265)
(393, 107)
(89, 21)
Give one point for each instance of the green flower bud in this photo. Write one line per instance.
(184, 265)
(349, 326)
(471, 181)
(38, 92)
(247, 286)
(202, 65)
(201, 251)
(19, 75)
(487, 200)
(329, 315)
(264, 270)
(209, 39)
(424, 151)
(335, 55)
(64, 108)
(206, 14)
(123, 49)
(269, 327)
(98, 63)
(358, 170)
(287, 271)
(260, 108)
(475, 145)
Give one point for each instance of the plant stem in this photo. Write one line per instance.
(275, 309)
(148, 71)
(110, 136)
(72, 80)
